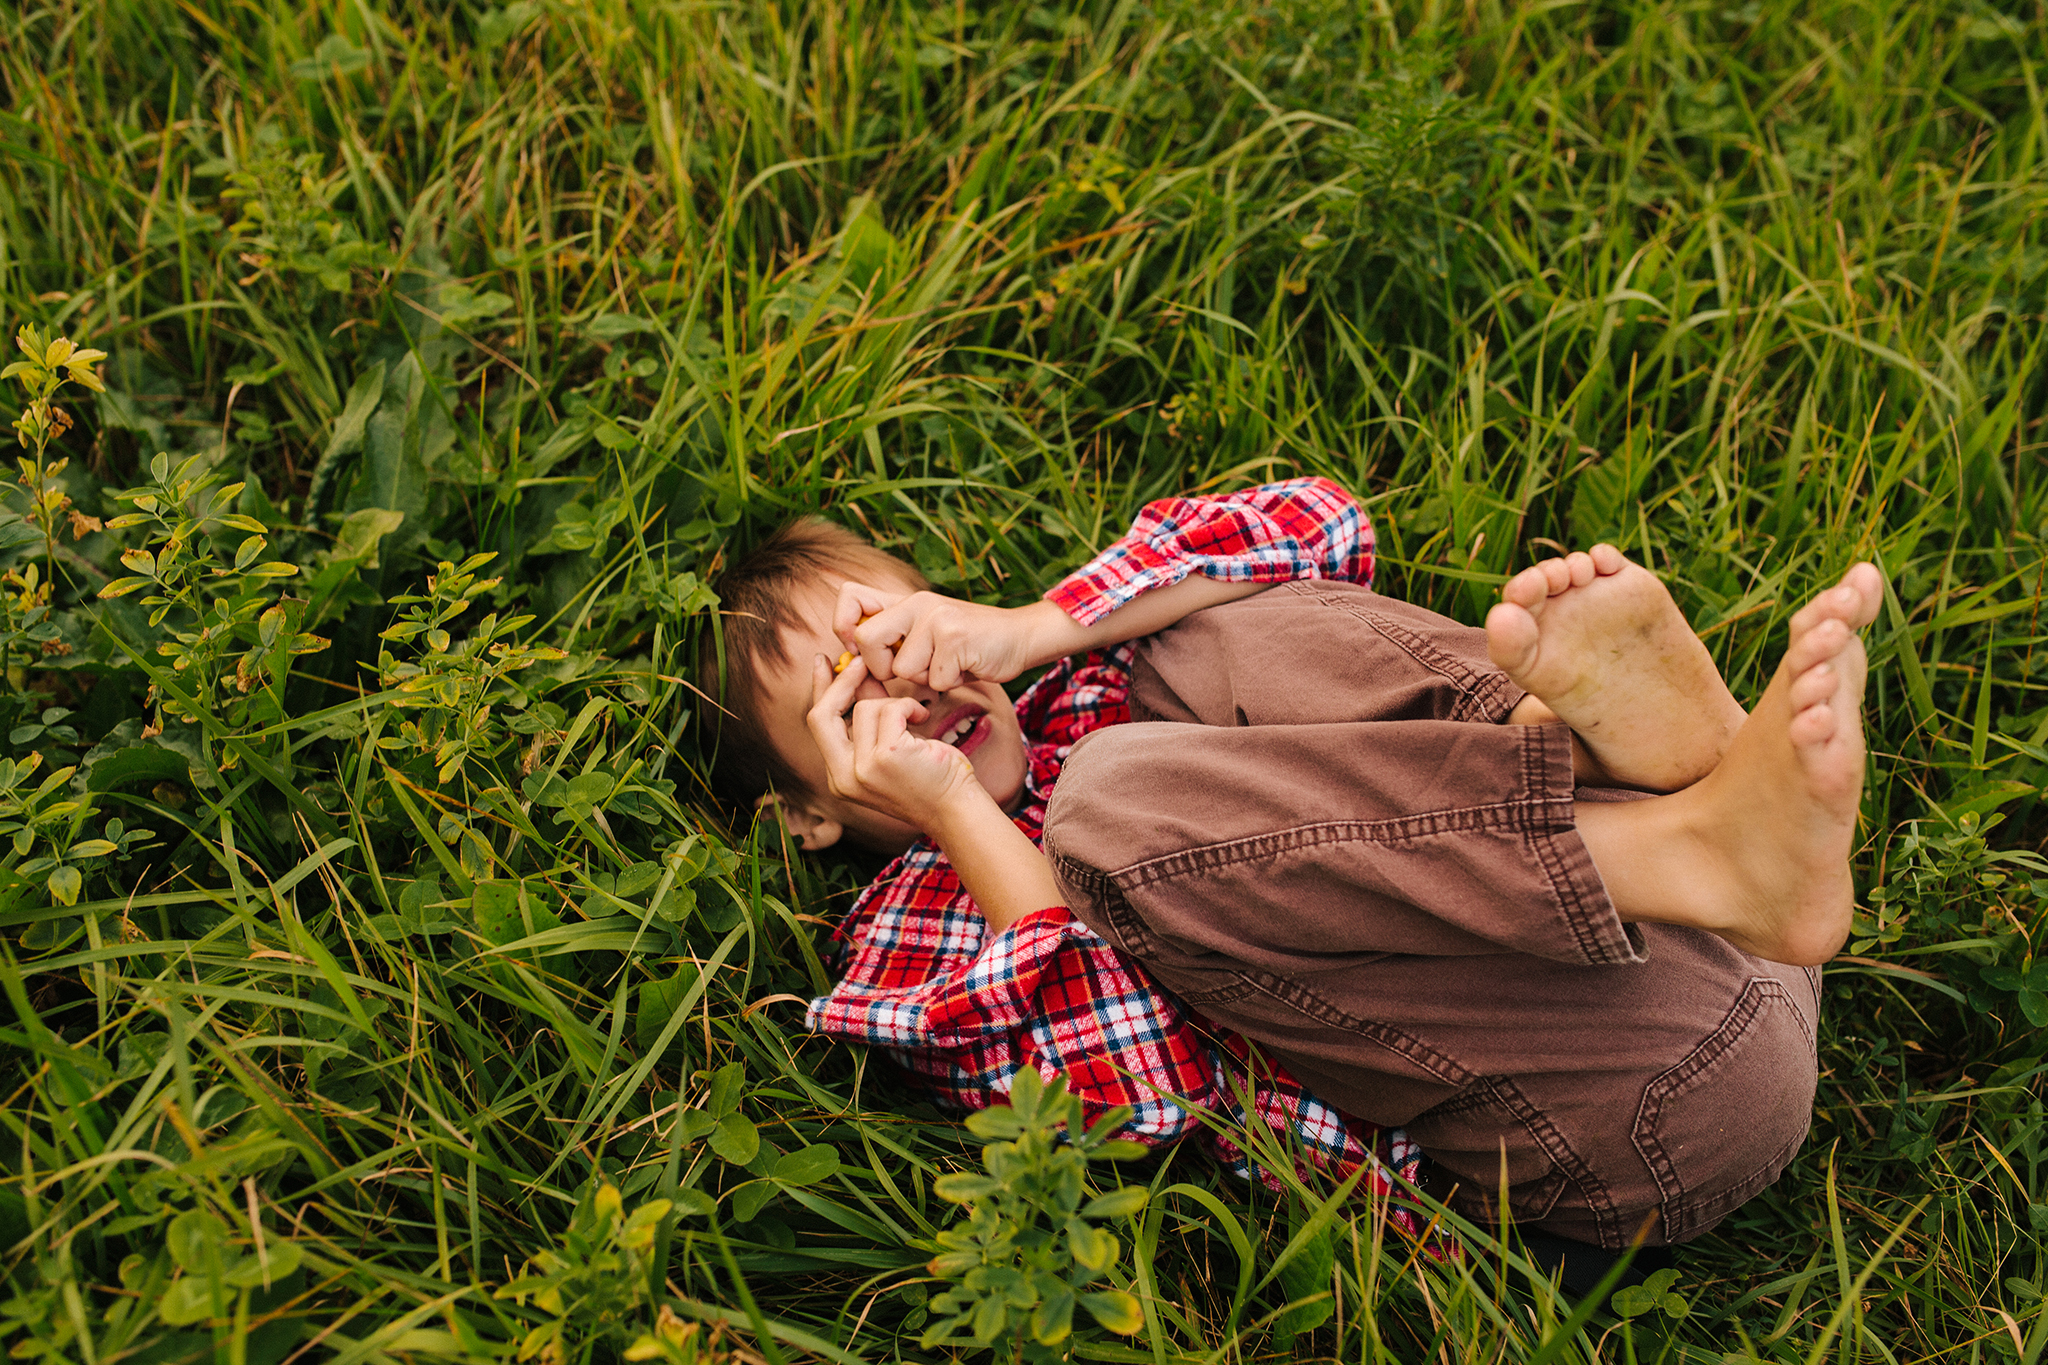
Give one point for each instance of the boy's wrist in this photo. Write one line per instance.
(1049, 633)
(1152, 610)
(961, 814)
(997, 863)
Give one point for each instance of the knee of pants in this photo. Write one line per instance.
(1092, 799)
(1722, 1123)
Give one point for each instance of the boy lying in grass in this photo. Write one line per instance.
(1431, 884)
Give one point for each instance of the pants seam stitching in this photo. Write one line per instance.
(1507, 816)
(1734, 1025)
(1305, 1001)
(1475, 688)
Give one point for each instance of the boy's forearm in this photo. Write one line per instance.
(1055, 635)
(998, 864)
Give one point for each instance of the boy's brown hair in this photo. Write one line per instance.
(759, 598)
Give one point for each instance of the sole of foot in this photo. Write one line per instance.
(1779, 815)
(1599, 641)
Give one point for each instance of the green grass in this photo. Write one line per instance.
(608, 289)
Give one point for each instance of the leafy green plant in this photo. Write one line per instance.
(26, 630)
(1957, 893)
(595, 1284)
(1032, 1242)
(215, 1269)
(231, 633)
(286, 227)
(46, 817)
(50, 365)
(453, 685)
(1654, 1294)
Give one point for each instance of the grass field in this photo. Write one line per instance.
(340, 1001)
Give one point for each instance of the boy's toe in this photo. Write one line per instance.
(1512, 639)
(1528, 588)
(1869, 586)
(1815, 687)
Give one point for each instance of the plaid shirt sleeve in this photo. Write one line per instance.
(1276, 533)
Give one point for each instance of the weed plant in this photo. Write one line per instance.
(385, 985)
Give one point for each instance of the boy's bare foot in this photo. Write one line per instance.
(1600, 642)
(1758, 851)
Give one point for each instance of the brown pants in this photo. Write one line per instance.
(1332, 846)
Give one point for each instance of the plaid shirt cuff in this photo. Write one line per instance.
(1276, 533)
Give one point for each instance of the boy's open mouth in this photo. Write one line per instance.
(967, 730)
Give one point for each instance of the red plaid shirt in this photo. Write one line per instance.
(961, 1009)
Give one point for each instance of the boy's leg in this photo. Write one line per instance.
(1344, 893)
(1321, 651)
(1445, 962)
(1317, 651)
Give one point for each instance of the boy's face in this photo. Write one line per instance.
(977, 718)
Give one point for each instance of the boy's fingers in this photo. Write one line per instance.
(830, 699)
(877, 725)
(856, 602)
(893, 722)
(877, 638)
(943, 645)
(935, 652)
(914, 654)
(836, 690)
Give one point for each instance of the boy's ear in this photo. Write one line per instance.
(813, 830)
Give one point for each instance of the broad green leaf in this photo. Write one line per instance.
(1092, 1248)
(2033, 1004)
(1053, 1320)
(965, 1187)
(196, 1238)
(362, 530)
(999, 1122)
(735, 1139)
(335, 57)
(393, 472)
(507, 911)
(65, 884)
(1116, 1310)
(749, 1199)
(613, 326)
(1306, 1276)
(363, 397)
(1117, 1203)
(728, 1083)
(990, 1315)
(188, 1300)
(281, 1257)
(865, 245)
(807, 1165)
(659, 1000)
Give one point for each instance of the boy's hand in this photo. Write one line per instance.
(943, 641)
(872, 758)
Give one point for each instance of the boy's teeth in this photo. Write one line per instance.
(958, 731)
